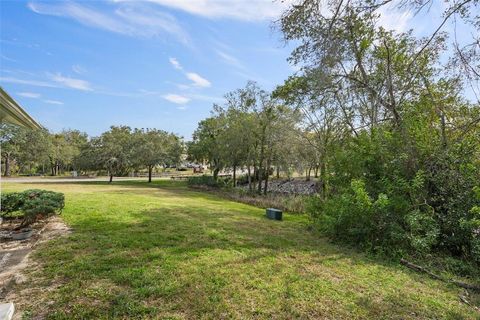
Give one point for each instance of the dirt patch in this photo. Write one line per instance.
(14, 254)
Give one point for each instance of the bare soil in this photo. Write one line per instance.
(14, 255)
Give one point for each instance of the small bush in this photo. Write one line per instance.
(11, 202)
(354, 217)
(209, 181)
(33, 204)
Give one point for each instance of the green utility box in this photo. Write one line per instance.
(274, 214)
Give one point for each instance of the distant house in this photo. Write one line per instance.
(11, 112)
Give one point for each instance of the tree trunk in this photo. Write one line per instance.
(255, 176)
(111, 178)
(323, 175)
(7, 165)
(316, 171)
(249, 178)
(259, 187)
(150, 173)
(307, 178)
(444, 135)
(234, 176)
(265, 188)
(278, 172)
(215, 173)
(260, 169)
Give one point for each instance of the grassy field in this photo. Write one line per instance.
(162, 251)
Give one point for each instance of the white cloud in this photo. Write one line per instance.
(34, 95)
(82, 14)
(29, 95)
(393, 17)
(53, 102)
(130, 18)
(78, 69)
(175, 98)
(228, 58)
(4, 57)
(150, 23)
(251, 10)
(198, 80)
(71, 82)
(175, 63)
(29, 82)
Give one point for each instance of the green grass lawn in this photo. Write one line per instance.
(162, 251)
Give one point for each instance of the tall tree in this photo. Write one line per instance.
(152, 147)
(206, 147)
(114, 150)
(11, 138)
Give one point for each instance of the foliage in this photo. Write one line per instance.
(41, 203)
(153, 147)
(209, 181)
(11, 202)
(397, 144)
(118, 151)
(33, 204)
(252, 130)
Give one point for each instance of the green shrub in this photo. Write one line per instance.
(33, 204)
(11, 202)
(243, 179)
(383, 224)
(356, 218)
(209, 181)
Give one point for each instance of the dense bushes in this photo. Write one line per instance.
(209, 181)
(33, 204)
(403, 199)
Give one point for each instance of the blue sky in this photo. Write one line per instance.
(152, 64)
(88, 65)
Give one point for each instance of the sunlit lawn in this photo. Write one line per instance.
(162, 251)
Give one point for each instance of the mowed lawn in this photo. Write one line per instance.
(162, 251)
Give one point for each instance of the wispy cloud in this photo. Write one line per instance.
(53, 102)
(175, 98)
(32, 95)
(79, 69)
(198, 80)
(174, 62)
(396, 18)
(71, 82)
(34, 83)
(129, 18)
(56, 81)
(224, 51)
(230, 59)
(150, 23)
(4, 57)
(252, 10)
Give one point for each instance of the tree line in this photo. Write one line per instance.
(116, 152)
(380, 116)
